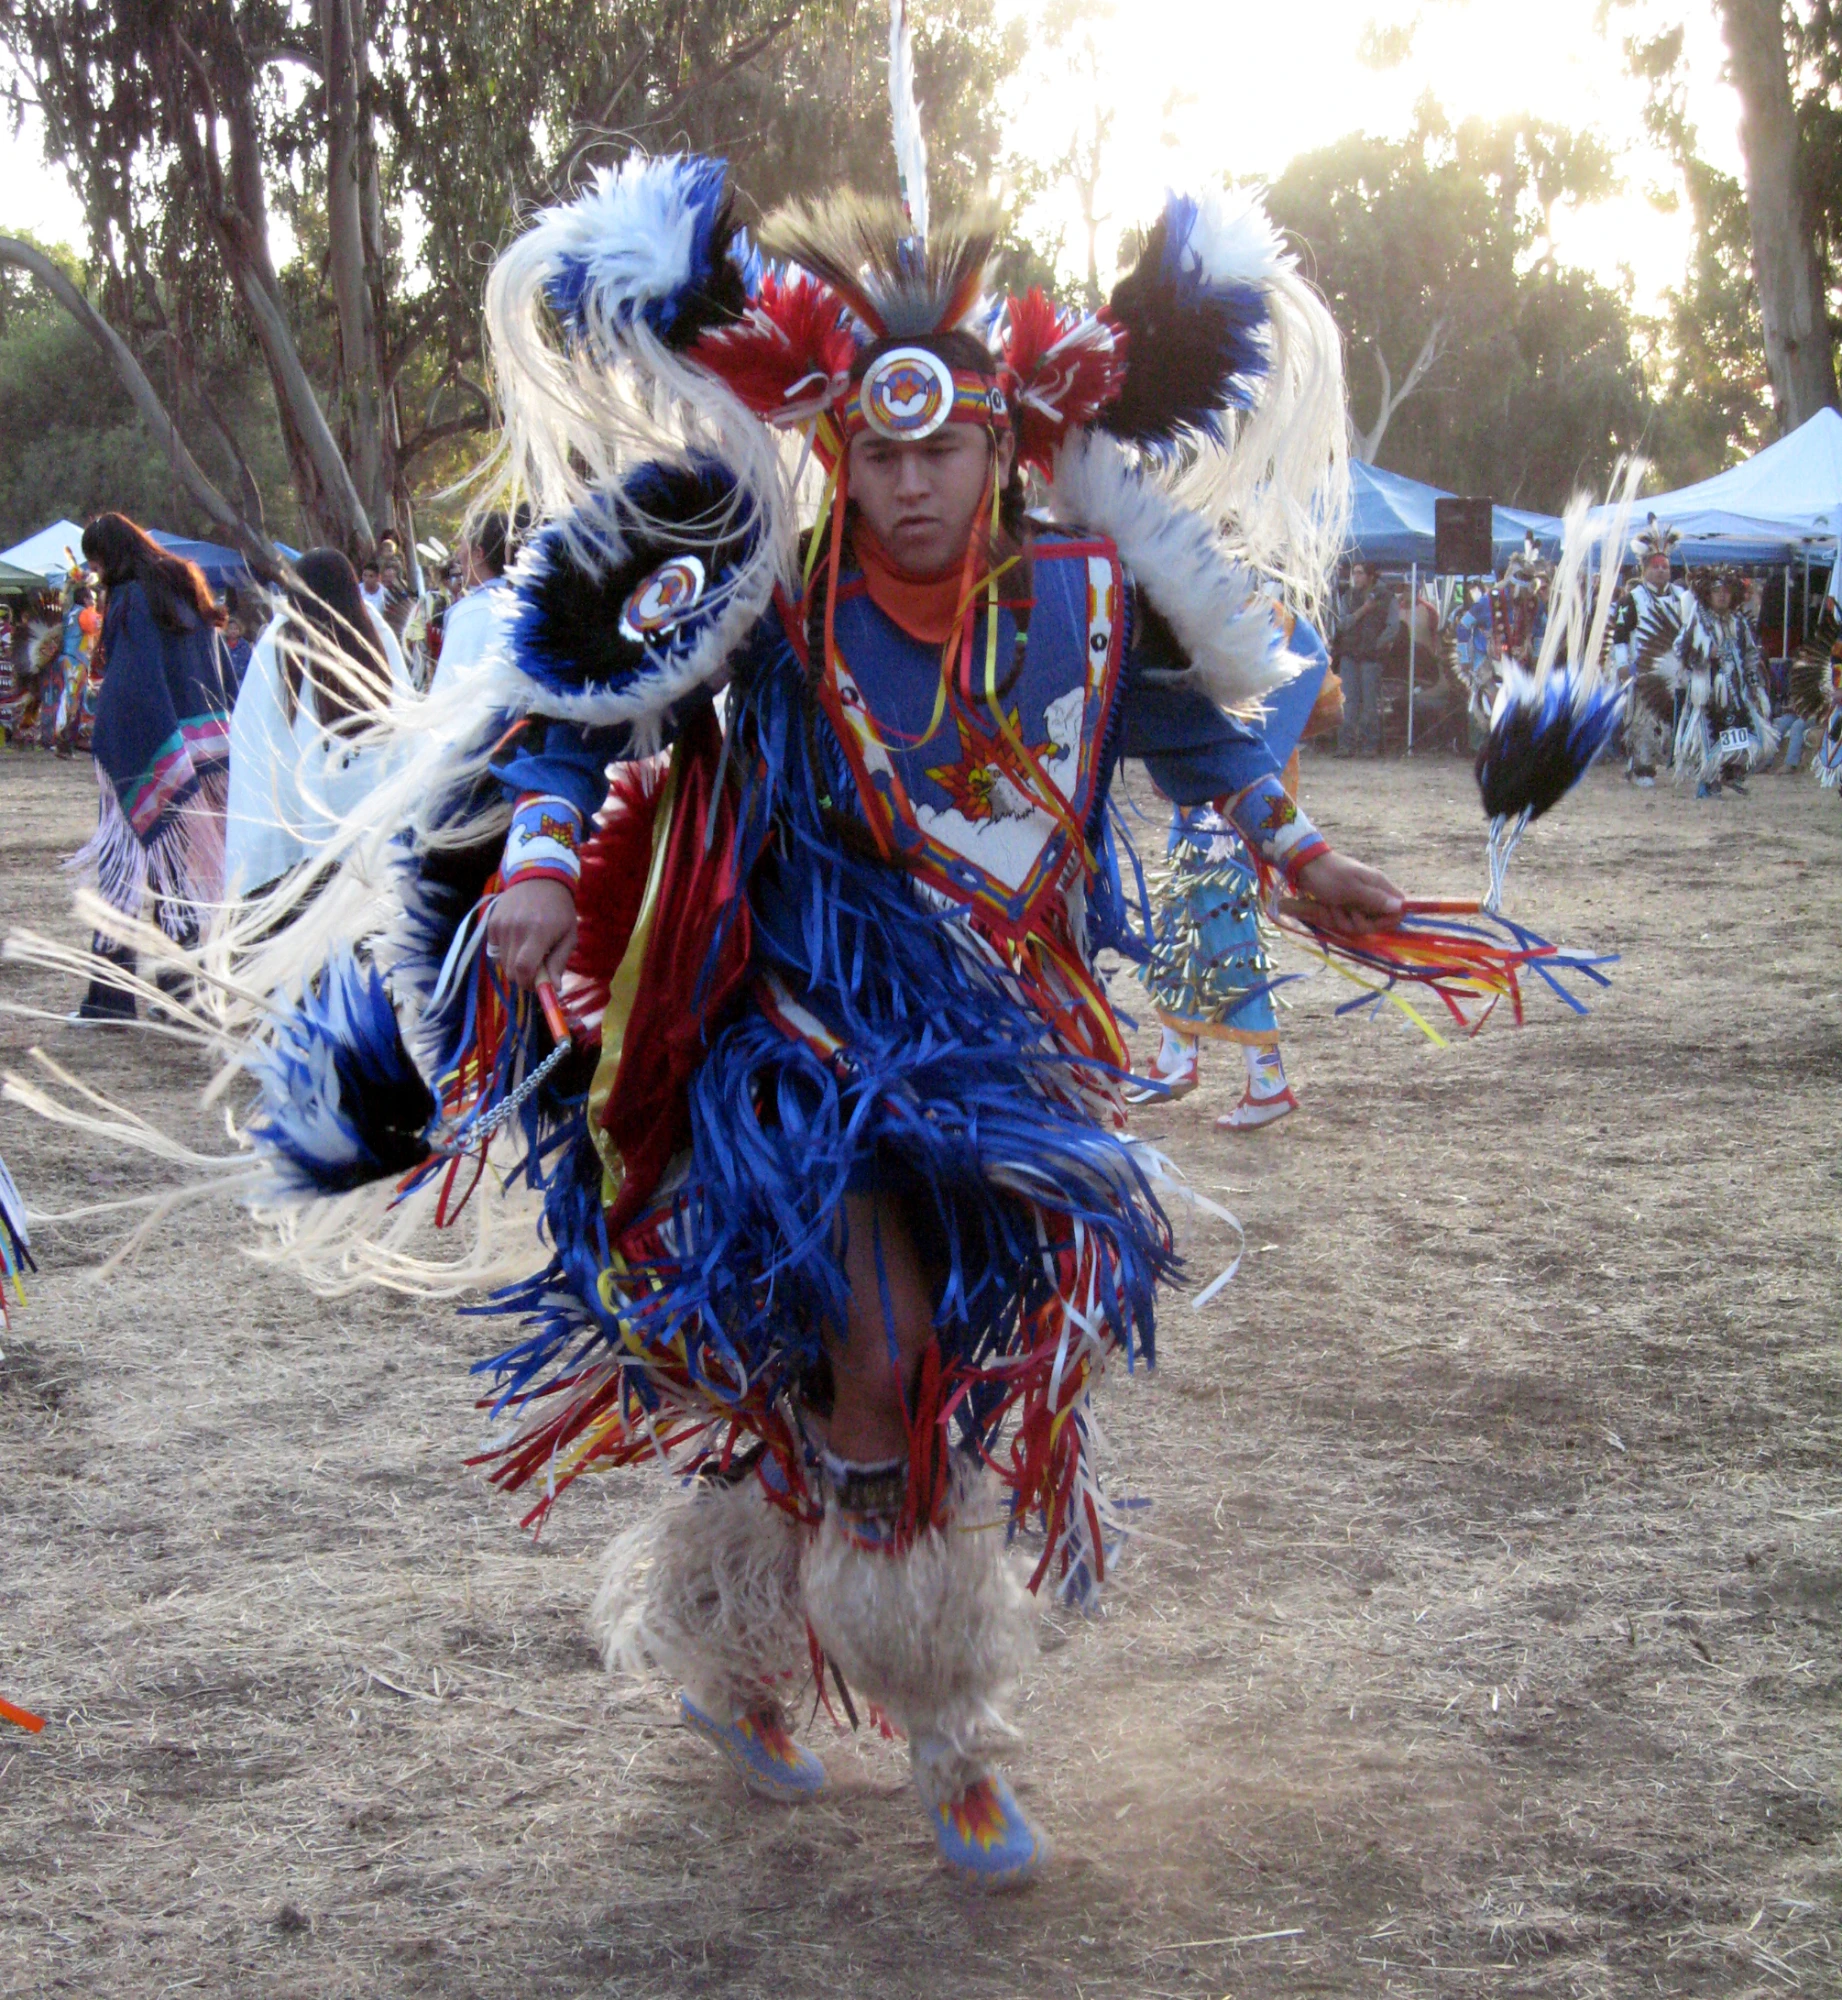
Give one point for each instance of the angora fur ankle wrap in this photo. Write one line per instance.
(936, 1636)
(707, 1590)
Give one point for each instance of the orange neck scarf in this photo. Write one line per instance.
(929, 608)
(924, 606)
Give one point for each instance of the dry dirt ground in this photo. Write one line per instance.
(1482, 1634)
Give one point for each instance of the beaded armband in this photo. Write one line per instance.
(542, 845)
(1271, 822)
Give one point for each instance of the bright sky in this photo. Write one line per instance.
(1271, 81)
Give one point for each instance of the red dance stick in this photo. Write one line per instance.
(554, 1017)
(23, 1716)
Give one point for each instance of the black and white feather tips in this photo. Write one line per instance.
(1655, 538)
(1550, 722)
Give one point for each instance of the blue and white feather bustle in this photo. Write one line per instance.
(1550, 722)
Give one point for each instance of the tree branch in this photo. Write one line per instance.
(146, 399)
(187, 373)
(756, 44)
(277, 53)
(431, 435)
(1365, 446)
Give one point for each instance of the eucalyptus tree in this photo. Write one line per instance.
(327, 180)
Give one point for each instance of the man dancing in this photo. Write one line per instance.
(826, 1120)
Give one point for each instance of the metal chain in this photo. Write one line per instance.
(469, 1132)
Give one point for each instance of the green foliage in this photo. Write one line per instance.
(75, 446)
(1707, 350)
(1436, 249)
(473, 111)
(23, 301)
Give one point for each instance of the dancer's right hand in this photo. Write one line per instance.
(531, 928)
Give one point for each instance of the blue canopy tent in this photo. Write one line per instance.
(222, 567)
(1391, 521)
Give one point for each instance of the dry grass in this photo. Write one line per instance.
(1482, 1636)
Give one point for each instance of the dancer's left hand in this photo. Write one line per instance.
(1351, 897)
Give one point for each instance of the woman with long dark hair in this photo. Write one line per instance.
(162, 747)
(325, 665)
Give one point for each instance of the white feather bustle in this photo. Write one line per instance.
(706, 1590)
(578, 416)
(1213, 604)
(1232, 241)
(631, 230)
(936, 1635)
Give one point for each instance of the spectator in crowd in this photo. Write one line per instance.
(473, 622)
(1368, 624)
(162, 750)
(398, 598)
(371, 586)
(299, 759)
(236, 640)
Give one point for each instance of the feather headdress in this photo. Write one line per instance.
(638, 323)
(1655, 538)
(898, 285)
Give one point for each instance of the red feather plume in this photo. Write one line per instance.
(789, 356)
(1060, 370)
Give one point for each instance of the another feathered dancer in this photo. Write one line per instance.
(1816, 668)
(15, 1243)
(1550, 722)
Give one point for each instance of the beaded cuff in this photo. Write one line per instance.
(1271, 822)
(542, 845)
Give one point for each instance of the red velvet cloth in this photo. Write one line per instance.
(647, 1114)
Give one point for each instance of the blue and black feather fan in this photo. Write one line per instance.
(341, 1102)
(649, 242)
(1195, 313)
(1543, 739)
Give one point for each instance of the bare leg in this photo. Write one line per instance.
(891, 1320)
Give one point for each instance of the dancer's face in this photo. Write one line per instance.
(922, 500)
(1656, 573)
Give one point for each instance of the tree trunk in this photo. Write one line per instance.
(355, 231)
(146, 398)
(1364, 445)
(237, 205)
(1798, 352)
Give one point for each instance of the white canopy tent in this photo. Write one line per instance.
(1788, 495)
(1795, 484)
(49, 552)
(1782, 506)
